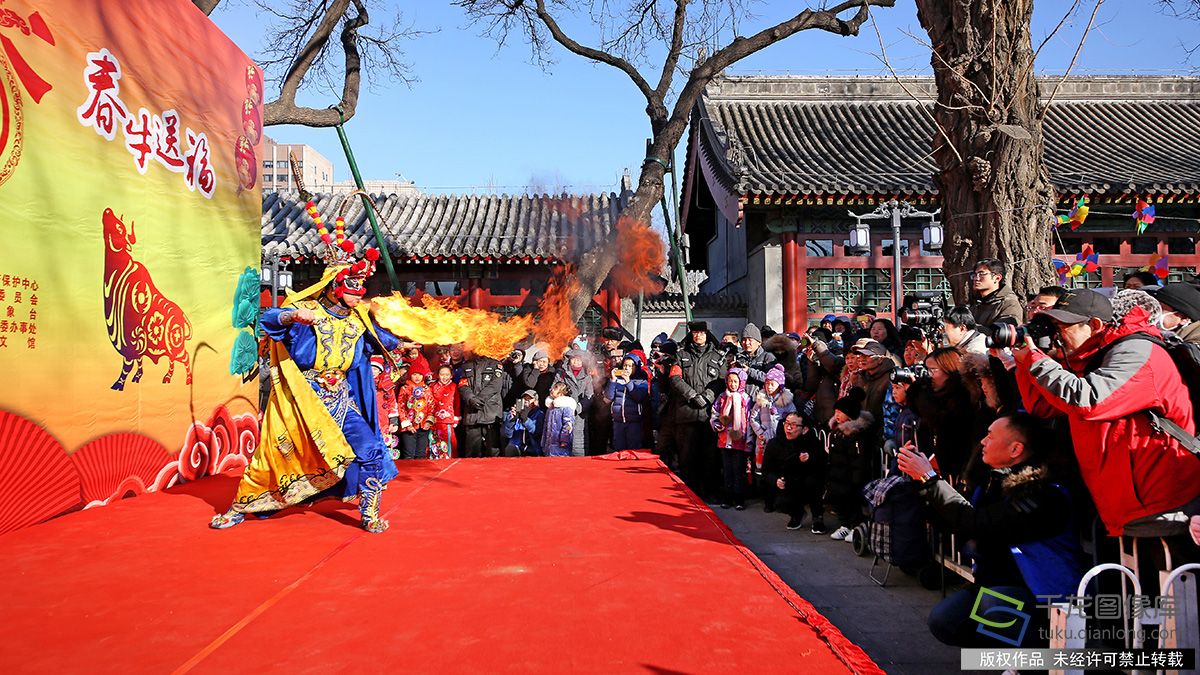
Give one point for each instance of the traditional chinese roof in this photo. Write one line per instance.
(803, 136)
(706, 303)
(434, 228)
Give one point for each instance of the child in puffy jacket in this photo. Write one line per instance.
(523, 427)
(771, 404)
(627, 392)
(730, 418)
(446, 413)
(415, 405)
(559, 435)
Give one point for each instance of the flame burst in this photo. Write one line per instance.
(640, 257)
(442, 322)
(554, 325)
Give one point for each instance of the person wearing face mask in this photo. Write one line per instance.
(1106, 382)
(1181, 310)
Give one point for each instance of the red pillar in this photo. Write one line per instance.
(791, 283)
(612, 302)
(475, 293)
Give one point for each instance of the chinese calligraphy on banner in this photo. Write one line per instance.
(127, 154)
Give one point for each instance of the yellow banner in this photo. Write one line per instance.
(129, 137)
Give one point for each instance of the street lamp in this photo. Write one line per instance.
(932, 235)
(860, 237)
(895, 211)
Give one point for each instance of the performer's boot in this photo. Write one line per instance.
(368, 505)
(227, 520)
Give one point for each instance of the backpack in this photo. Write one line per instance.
(1186, 356)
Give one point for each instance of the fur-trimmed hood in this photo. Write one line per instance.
(857, 425)
(785, 351)
(977, 376)
(1024, 480)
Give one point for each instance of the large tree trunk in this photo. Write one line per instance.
(994, 188)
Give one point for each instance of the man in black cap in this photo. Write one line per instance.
(1106, 383)
(1181, 310)
(693, 382)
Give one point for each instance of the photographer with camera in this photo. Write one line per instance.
(1020, 519)
(961, 331)
(1110, 382)
(756, 360)
(822, 376)
(941, 400)
(993, 300)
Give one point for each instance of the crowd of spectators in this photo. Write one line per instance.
(1016, 449)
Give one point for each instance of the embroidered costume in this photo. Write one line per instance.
(321, 426)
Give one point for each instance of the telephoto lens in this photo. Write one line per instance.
(1007, 335)
(909, 375)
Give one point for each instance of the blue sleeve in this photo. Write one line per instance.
(274, 328)
(388, 339)
(638, 390)
(610, 390)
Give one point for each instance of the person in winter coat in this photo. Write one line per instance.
(794, 466)
(627, 393)
(771, 405)
(884, 332)
(523, 427)
(1022, 522)
(822, 380)
(961, 331)
(538, 376)
(874, 376)
(994, 301)
(852, 458)
(754, 359)
(1109, 381)
(1181, 310)
(446, 414)
(558, 437)
(385, 403)
(482, 388)
(942, 401)
(731, 420)
(787, 355)
(415, 404)
(577, 374)
(693, 383)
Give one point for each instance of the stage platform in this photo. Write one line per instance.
(549, 565)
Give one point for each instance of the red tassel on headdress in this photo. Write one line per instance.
(372, 254)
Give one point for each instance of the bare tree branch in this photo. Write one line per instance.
(883, 57)
(1082, 39)
(1062, 22)
(676, 48)
(594, 54)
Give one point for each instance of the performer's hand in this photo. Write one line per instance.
(303, 316)
(780, 483)
(804, 457)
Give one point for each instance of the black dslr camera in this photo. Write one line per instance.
(909, 375)
(1005, 334)
(924, 309)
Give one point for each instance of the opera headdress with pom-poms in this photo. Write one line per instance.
(346, 271)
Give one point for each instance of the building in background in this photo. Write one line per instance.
(774, 164)
(401, 188)
(316, 169)
(494, 252)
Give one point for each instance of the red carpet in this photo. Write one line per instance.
(500, 565)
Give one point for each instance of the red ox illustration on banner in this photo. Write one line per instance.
(141, 321)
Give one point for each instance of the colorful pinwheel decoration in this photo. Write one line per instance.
(1086, 261)
(1158, 266)
(1143, 213)
(1075, 216)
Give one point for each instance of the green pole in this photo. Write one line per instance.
(367, 205)
(677, 254)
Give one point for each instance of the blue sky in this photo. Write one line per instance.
(479, 116)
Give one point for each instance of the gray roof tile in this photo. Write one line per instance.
(866, 136)
(500, 227)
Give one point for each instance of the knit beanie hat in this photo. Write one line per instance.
(776, 375)
(851, 403)
(752, 331)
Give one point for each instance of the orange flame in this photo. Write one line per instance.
(640, 257)
(554, 325)
(443, 322)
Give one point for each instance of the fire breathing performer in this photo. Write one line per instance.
(321, 427)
